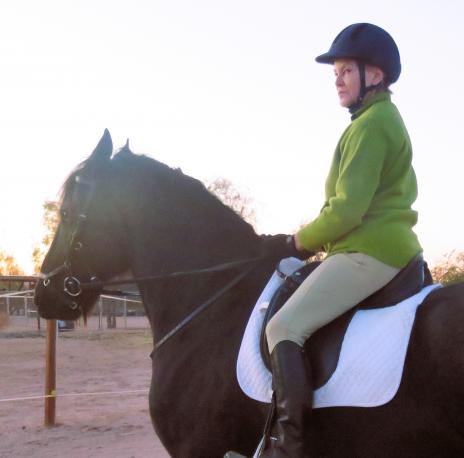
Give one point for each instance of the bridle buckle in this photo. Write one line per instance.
(72, 286)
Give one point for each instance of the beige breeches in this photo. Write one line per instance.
(338, 284)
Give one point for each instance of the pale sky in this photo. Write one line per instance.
(220, 89)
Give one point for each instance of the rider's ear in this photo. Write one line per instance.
(104, 149)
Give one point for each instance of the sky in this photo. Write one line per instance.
(220, 89)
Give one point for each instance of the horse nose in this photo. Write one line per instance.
(46, 299)
(40, 299)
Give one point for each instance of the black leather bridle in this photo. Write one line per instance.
(73, 287)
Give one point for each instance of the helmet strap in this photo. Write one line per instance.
(363, 90)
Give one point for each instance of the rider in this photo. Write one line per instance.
(365, 225)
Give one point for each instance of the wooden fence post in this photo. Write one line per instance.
(50, 374)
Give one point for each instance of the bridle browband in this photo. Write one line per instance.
(74, 287)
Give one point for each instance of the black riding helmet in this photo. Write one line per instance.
(367, 44)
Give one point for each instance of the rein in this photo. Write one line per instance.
(201, 308)
(217, 268)
(78, 287)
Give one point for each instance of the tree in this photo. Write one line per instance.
(8, 265)
(450, 270)
(50, 220)
(229, 195)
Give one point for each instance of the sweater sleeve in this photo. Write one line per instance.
(361, 163)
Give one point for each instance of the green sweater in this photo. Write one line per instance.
(370, 189)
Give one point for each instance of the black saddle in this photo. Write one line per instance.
(323, 347)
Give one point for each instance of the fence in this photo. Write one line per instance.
(19, 306)
(13, 302)
(110, 312)
(119, 312)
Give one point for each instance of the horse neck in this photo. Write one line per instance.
(218, 238)
(170, 301)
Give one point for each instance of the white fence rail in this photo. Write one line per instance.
(119, 312)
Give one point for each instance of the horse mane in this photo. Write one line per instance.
(130, 166)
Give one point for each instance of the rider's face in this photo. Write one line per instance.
(347, 81)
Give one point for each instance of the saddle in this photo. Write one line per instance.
(323, 347)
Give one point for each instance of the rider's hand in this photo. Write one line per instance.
(282, 246)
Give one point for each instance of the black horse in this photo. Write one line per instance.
(132, 213)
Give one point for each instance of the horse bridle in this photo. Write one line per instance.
(74, 287)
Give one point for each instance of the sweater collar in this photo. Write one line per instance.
(370, 100)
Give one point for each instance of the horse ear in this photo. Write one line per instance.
(104, 149)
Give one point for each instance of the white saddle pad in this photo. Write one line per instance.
(371, 358)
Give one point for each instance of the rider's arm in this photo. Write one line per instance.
(353, 180)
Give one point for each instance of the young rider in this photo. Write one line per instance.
(365, 225)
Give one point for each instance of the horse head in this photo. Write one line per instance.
(88, 244)
(129, 212)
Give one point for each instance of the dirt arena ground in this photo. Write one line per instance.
(88, 361)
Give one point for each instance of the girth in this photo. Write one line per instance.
(323, 347)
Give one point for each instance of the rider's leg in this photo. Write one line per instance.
(337, 285)
(341, 282)
(291, 382)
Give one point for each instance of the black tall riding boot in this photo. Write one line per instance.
(291, 382)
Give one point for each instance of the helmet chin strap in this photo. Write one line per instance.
(363, 90)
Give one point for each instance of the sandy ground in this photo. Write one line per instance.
(88, 361)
